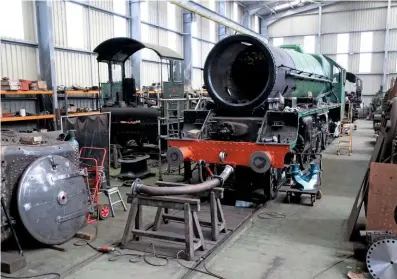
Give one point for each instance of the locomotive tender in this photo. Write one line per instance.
(273, 107)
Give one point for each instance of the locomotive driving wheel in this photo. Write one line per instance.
(271, 180)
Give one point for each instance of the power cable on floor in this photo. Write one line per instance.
(271, 215)
(331, 266)
(57, 276)
(136, 257)
(207, 272)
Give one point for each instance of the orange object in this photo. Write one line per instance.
(237, 153)
(30, 92)
(24, 84)
(25, 118)
(75, 92)
(95, 173)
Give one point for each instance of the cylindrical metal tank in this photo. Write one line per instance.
(242, 72)
(43, 190)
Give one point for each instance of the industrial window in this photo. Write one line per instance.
(366, 42)
(256, 24)
(196, 59)
(343, 60)
(212, 5)
(194, 28)
(309, 44)
(120, 6)
(74, 23)
(120, 26)
(144, 11)
(235, 11)
(365, 55)
(278, 41)
(342, 43)
(172, 41)
(171, 16)
(11, 21)
(365, 62)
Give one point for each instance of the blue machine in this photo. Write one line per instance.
(306, 181)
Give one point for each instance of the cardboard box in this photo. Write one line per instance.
(42, 85)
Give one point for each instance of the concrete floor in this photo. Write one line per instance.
(309, 243)
(301, 244)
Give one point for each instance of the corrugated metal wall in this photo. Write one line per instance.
(20, 62)
(168, 15)
(352, 17)
(79, 66)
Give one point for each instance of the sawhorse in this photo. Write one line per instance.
(192, 226)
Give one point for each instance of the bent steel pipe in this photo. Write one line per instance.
(139, 188)
(306, 182)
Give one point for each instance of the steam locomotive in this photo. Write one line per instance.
(272, 106)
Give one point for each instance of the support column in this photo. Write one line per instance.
(387, 38)
(222, 31)
(46, 49)
(135, 33)
(187, 48)
(320, 12)
(263, 28)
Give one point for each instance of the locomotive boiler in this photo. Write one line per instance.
(43, 192)
(272, 108)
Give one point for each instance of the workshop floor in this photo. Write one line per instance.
(294, 241)
(306, 242)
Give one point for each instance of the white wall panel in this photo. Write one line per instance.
(354, 21)
(163, 38)
(350, 5)
(29, 20)
(152, 11)
(151, 73)
(103, 71)
(377, 63)
(393, 40)
(102, 27)
(152, 37)
(393, 17)
(73, 68)
(206, 48)
(205, 29)
(197, 79)
(229, 9)
(103, 4)
(329, 43)
(59, 19)
(19, 62)
(392, 62)
(297, 25)
(294, 40)
(197, 50)
(162, 13)
(59, 23)
(371, 83)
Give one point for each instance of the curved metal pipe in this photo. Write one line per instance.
(139, 188)
(308, 181)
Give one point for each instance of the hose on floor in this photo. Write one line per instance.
(206, 272)
(136, 257)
